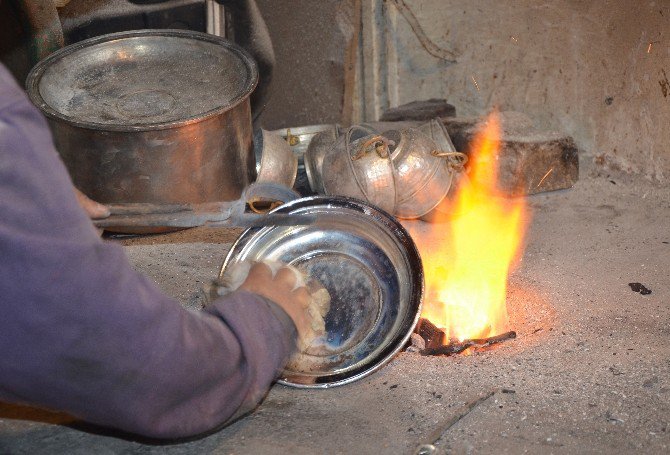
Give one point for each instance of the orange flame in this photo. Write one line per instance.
(467, 269)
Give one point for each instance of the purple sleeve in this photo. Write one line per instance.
(82, 332)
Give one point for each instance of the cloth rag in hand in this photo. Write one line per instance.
(317, 308)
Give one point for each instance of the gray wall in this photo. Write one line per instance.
(580, 67)
(310, 39)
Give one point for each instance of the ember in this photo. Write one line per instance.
(468, 265)
(436, 342)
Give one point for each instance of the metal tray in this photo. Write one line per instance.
(372, 270)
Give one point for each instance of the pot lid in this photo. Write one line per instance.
(148, 79)
(372, 270)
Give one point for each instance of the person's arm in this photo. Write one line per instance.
(82, 332)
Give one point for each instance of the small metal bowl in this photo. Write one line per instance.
(275, 161)
(300, 139)
(370, 266)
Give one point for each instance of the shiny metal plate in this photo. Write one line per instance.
(372, 270)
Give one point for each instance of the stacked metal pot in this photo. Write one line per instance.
(406, 172)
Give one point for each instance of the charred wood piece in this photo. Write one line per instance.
(457, 348)
(432, 335)
(639, 287)
(530, 160)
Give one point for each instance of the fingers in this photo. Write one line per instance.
(97, 210)
(93, 209)
(296, 301)
(260, 271)
(259, 280)
(302, 297)
(286, 277)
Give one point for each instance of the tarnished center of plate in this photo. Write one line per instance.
(355, 301)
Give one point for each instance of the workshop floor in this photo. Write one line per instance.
(589, 372)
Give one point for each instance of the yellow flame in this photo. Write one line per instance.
(467, 271)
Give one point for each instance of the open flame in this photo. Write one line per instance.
(467, 265)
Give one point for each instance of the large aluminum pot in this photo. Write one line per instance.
(158, 116)
(359, 165)
(424, 161)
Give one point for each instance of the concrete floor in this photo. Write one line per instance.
(589, 372)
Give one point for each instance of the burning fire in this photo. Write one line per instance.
(467, 269)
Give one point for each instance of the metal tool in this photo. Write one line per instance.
(211, 214)
(428, 447)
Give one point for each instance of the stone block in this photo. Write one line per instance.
(420, 111)
(530, 161)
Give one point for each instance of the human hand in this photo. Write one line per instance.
(287, 289)
(93, 209)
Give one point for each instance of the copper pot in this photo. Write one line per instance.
(157, 116)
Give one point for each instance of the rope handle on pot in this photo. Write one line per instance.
(261, 197)
(456, 160)
(262, 206)
(292, 139)
(379, 144)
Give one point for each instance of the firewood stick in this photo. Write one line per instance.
(457, 348)
(494, 339)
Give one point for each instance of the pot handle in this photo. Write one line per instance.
(456, 160)
(377, 143)
(229, 213)
(265, 196)
(373, 141)
(251, 33)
